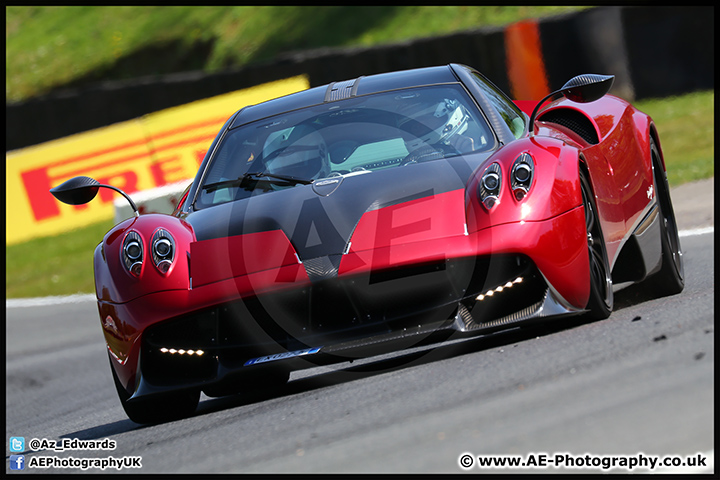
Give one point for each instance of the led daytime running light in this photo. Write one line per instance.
(182, 351)
(498, 289)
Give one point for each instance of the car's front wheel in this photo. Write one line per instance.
(157, 408)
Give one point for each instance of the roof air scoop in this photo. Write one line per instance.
(342, 90)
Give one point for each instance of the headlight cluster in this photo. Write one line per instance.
(520, 180)
(132, 253)
(490, 185)
(521, 176)
(162, 251)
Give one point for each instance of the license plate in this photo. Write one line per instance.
(281, 356)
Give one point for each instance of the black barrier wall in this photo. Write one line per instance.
(652, 51)
(670, 50)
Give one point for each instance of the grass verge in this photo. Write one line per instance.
(59, 265)
(686, 125)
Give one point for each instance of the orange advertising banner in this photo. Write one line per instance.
(157, 149)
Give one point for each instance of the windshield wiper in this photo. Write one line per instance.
(251, 179)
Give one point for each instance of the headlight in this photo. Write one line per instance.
(521, 175)
(132, 253)
(163, 250)
(490, 185)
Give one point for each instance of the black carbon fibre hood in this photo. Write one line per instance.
(319, 219)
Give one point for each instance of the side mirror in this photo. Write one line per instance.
(81, 190)
(582, 89)
(587, 88)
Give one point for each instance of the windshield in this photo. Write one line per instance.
(357, 135)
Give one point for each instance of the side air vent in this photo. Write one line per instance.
(573, 120)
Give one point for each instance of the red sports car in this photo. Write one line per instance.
(374, 214)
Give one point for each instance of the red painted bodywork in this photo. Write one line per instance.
(620, 164)
(268, 255)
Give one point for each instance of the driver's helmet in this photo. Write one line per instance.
(304, 156)
(438, 124)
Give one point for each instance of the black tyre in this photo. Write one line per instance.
(670, 280)
(157, 409)
(600, 303)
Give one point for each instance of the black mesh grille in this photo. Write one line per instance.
(573, 120)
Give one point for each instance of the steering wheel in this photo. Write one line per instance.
(427, 152)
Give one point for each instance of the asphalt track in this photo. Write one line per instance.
(640, 382)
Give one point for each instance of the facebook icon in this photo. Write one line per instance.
(17, 462)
